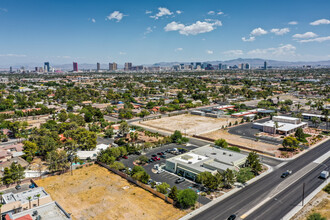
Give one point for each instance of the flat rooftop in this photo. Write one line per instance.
(49, 211)
(282, 126)
(22, 196)
(208, 159)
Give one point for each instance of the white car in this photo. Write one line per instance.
(160, 171)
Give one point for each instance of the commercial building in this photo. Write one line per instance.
(203, 159)
(47, 67)
(282, 125)
(75, 67)
(98, 66)
(112, 66)
(265, 65)
(128, 66)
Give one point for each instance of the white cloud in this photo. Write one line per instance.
(211, 13)
(318, 39)
(193, 29)
(255, 32)
(293, 23)
(233, 52)
(148, 30)
(122, 53)
(209, 51)
(148, 12)
(116, 15)
(12, 55)
(93, 20)
(220, 13)
(287, 49)
(258, 31)
(3, 10)
(250, 39)
(162, 12)
(305, 35)
(178, 49)
(280, 31)
(179, 12)
(321, 21)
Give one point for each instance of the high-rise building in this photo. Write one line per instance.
(11, 69)
(98, 66)
(247, 66)
(112, 66)
(75, 66)
(36, 69)
(265, 65)
(128, 66)
(220, 66)
(46, 67)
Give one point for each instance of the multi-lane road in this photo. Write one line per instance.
(249, 197)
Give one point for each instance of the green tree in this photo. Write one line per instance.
(244, 174)
(221, 143)
(253, 162)
(187, 198)
(177, 137)
(300, 135)
(109, 133)
(162, 188)
(174, 193)
(143, 159)
(29, 199)
(228, 178)
(118, 166)
(208, 180)
(29, 150)
(290, 143)
(62, 116)
(316, 216)
(124, 128)
(316, 121)
(7, 177)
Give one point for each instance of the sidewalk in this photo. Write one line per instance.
(213, 202)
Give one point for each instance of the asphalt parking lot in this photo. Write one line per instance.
(165, 176)
(246, 131)
(24, 187)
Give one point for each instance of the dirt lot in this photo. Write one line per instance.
(190, 124)
(95, 193)
(235, 139)
(320, 203)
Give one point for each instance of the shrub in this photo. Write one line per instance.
(327, 188)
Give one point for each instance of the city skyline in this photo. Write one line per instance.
(148, 32)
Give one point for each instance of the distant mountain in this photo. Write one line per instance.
(255, 62)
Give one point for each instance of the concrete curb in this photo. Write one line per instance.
(296, 209)
(213, 202)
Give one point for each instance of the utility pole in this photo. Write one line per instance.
(303, 194)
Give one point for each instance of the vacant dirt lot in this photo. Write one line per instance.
(320, 203)
(190, 124)
(96, 193)
(235, 139)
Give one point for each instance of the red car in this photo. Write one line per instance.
(157, 158)
(125, 157)
(160, 153)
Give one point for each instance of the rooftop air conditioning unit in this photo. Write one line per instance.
(224, 153)
(230, 155)
(189, 162)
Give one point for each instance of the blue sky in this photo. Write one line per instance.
(149, 31)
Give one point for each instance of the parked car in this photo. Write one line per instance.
(180, 180)
(31, 186)
(160, 153)
(324, 174)
(163, 156)
(125, 157)
(137, 153)
(154, 155)
(286, 173)
(156, 158)
(160, 171)
(18, 187)
(150, 181)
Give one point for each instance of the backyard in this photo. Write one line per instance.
(95, 193)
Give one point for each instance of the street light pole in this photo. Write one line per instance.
(303, 194)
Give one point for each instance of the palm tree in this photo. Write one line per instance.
(1, 193)
(0, 210)
(29, 198)
(38, 196)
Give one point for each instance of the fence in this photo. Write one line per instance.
(138, 183)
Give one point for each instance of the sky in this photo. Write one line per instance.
(150, 31)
